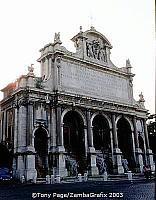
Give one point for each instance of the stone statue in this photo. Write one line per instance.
(57, 38)
(31, 70)
(141, 98)
(128, 63)
(89, 50)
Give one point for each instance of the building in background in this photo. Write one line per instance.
(79, 116)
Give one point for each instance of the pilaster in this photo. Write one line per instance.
(118, 168)
(30, 171)
(138, 151)
(92, 154)
(61, 170)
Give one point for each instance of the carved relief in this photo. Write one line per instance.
(95, 49)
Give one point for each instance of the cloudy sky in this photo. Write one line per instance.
(27, 25)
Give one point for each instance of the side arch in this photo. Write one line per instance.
(33, 133)
(126, 141)
(74, 140)
(76, 110)
(127, 119)
(41, 147)
(105, 116)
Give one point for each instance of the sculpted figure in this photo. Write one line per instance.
(57, 37)
(89, 50)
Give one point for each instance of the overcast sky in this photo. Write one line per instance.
(27, 25)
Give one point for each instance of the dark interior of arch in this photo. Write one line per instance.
(74, 139)
(73, 132)
(125, 141)
(6, 157)
(41, 148)
(101, 133)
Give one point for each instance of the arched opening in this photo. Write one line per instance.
(102, 143)
(6, 157)
(74, 143)
(41, 148)
(125, 141)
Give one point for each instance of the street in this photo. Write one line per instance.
(139, 189)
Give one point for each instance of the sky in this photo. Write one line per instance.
(27, 25)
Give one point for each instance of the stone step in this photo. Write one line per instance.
(41, 180)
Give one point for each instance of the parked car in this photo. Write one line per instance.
(5, 174)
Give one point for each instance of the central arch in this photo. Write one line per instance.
(41, 148)
(102, 143)
(124, 132)
(74, 142)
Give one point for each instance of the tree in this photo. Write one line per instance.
(152, 134)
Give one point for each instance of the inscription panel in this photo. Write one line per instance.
(84, 81)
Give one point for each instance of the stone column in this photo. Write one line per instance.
(47, 67)
(4, 126)
(57, 73)
(53, 128)
(22, 128)
(59, 129)
(20, 166)
(61, 170)
(138, 151)
(114, 131)
(22, 116)
(16, 118)
(149, 153)
(53, 141)
(30, 171)
(146, 134)
(30, 120)
(111, 140)
(89, 130)
(118, 168)
(50, 65)
(92, 154)
(85, 140)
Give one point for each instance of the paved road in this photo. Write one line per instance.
(138, 190)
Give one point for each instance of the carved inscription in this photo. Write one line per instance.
(84, 81)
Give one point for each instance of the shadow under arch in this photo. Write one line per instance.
(74, 142)
(41, 148)
(125, 141)
(102, 143)
(6, 157)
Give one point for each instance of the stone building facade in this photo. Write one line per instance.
(79, 116)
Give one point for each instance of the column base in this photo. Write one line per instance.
(30, 171)
(93, 171)
(30, 174)
(118, 168)
(150, 161)
(93, 168)
(139, 160)
(19, 172)
(61, 169)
